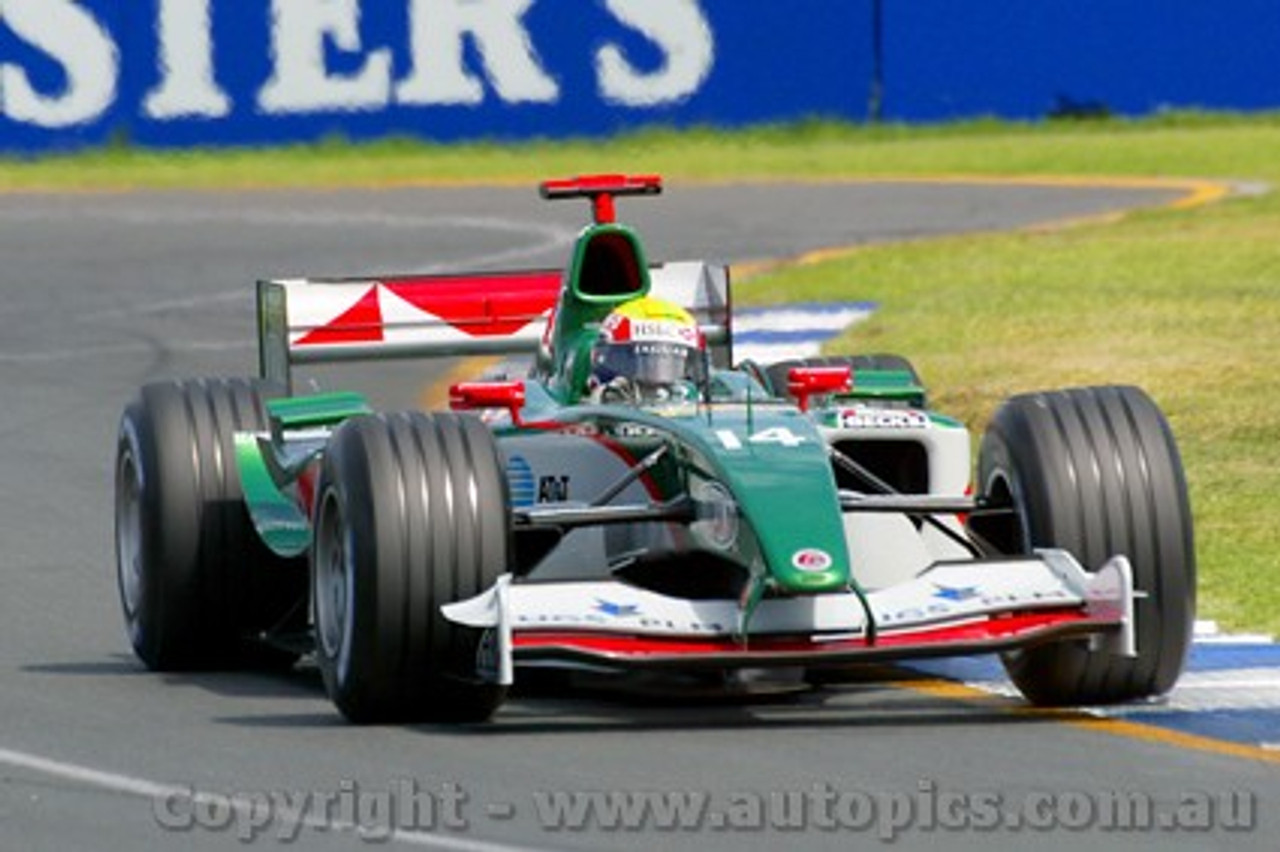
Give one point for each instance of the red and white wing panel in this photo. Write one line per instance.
(311, 320)
(438, 311)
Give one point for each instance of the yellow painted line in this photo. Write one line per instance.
(1202, 193)
(1166, 736)
(1195, 193)
(955, 691)
(1199, 190)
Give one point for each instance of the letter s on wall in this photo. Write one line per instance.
(74, 39)
(680, 30)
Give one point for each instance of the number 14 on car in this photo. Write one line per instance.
(781, 435)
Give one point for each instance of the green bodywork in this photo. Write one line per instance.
(316, 411)
(278, 519)
(271, 465)
(584, 304)
(883, 385)
(770, 457)
(773, 461)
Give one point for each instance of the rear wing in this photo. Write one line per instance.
(324, 320)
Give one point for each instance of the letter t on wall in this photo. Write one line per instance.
(440, 76)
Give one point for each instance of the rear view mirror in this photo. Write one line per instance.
(804, 382)
(471, 396)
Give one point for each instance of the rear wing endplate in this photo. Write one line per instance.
(324, 320)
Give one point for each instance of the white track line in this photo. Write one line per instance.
(537, 239)
(112, 349)
(547, 238)
(154, 790)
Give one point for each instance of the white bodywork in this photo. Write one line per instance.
(887, 549)
(946, 596)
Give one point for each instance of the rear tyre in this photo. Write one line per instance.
(196, 583)
(413, 513)
(777, 374)
(1096, 472)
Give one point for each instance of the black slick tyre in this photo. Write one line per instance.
(1096, 472)
(196, 583)
(412, 513)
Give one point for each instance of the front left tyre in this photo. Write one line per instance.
(1096, 471)
(412, 513)
(197, 586)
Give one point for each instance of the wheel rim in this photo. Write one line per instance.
(129, 534)
(333, 583)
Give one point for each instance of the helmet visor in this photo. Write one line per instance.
(649, 362)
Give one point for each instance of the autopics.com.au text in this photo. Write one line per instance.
(405, 806)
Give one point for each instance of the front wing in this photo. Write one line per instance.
(950, 609)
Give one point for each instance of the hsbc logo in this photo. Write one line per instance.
(322, 58)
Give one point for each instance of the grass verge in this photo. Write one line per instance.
(1185, 303)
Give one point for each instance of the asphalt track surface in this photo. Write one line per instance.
(102, 292)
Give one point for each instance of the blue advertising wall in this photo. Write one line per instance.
(1024, 60)
(76, 73)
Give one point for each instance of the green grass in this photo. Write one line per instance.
(1187, 144)
(1185, 303)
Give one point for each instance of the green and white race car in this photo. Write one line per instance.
(636, 499)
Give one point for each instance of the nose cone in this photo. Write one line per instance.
(776, 465)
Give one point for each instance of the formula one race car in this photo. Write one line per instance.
(636, 500)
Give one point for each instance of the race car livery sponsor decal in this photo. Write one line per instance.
(616, 610)
(521, 482)
(811, 560)
(780, 435)
(626, 429)
(870, 417)
(913, 614)
(553, 489)
(648, 624)
(956, 593)
(1026, 594)
(660, 331)
(948, 606)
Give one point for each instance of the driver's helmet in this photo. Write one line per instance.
(649, 350)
